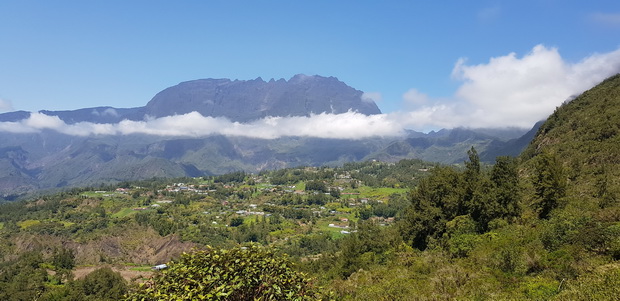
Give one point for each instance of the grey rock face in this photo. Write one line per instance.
(244, 101)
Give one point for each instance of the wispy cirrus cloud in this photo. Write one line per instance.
(489, 14)
(605, 19)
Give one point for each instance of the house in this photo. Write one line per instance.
(160, 267)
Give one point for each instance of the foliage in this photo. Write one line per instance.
(549, 183)
(234, 177)
(23, 278)
(250, 273)
(447, 194)
(102, 284)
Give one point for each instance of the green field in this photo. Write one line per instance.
(124, 212)
(381, 193)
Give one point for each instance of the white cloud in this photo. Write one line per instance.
(513, 91)
(350, 125)
(5, 105)
(110, 111)
(414, 97)
(372, 96)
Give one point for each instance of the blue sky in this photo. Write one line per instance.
(61, 55)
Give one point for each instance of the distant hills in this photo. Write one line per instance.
(30, 162)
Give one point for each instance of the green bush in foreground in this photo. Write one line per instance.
(252, 273)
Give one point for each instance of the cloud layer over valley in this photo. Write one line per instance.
(350, 125)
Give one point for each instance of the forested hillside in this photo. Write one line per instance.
(543, 226)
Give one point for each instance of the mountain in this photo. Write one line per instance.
(512, 147)
(244, 101)
(236, 100)
(47, 159)
(451, 146)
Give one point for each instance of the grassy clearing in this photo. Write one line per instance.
(279, 234)
(28, 223)
(91, 194)
(124, 212)
(300, 186)
(323, 226)
(66, 223)
(382, 193)
(144, 268)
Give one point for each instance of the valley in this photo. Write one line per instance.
(543, 225)
(76, 148)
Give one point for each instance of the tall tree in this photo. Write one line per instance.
(505, 179)
(549, 183)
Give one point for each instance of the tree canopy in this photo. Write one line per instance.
(243, 273)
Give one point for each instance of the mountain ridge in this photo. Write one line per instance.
(236, 100)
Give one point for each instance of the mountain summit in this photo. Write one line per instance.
(254, 99)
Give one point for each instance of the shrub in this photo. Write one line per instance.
(252, 273)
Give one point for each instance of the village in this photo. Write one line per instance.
(332, 205)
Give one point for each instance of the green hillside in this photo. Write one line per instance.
(584, 134)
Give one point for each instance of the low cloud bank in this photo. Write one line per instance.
(350, 125)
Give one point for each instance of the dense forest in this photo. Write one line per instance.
(542, 226)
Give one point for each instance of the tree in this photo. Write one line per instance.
(437, 199)
(63, 261)
(102, 284)
(23, 279)
(475, 189)
(497, 195)
(549, 183)
(316, 185)
(246, 273)
(334, 192)
(472, 167)
(505, 179)
(236, 221)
